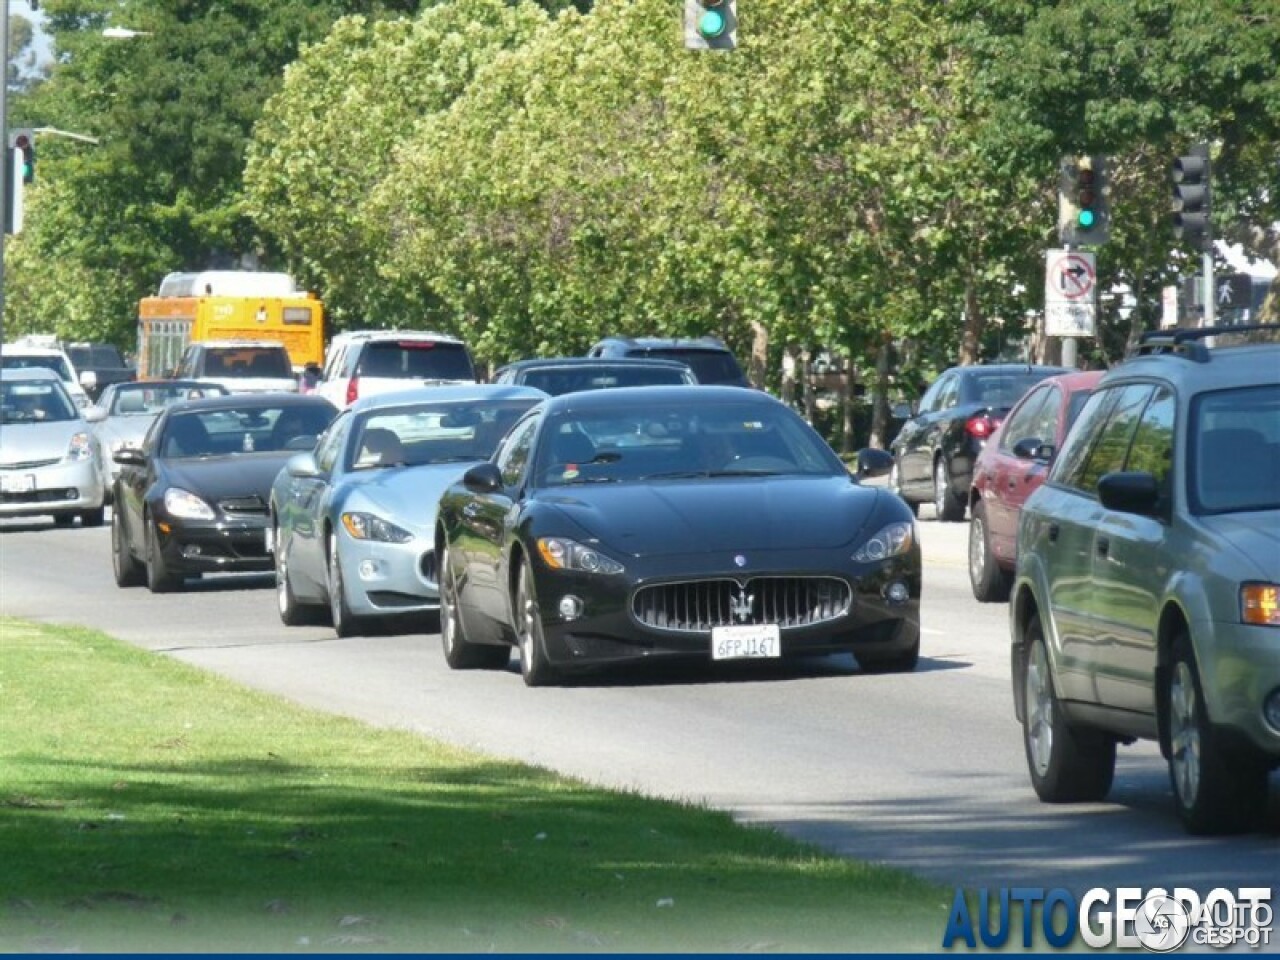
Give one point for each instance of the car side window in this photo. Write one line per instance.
(513, 456)
(1075, 449)
(1112, 448)
(950, 395)
(929, 402)
(331, 444)
(1152, 449)
(1045, 427)
(1022, 424)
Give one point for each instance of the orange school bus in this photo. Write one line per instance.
(227, 305)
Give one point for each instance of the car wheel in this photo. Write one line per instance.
(93, 518)
(344, 623)
(124, 564)
(989, 581)
(534, 665)
(292, 613)
(160, 579)
(949, 507)
(895, 486)
(1067, 764)
(458, 652)
(1215, 789)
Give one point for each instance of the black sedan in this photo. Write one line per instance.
(647, 523)
(194, 498)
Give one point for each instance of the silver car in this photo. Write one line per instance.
(48, 455)
(353, 522)
(127, 411)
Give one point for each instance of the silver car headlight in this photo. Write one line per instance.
(370, 526)
(186, 505)
(890, 541)
(80, 448)
(559, 553)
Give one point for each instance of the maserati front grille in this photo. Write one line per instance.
(699, 605)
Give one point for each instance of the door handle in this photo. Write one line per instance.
(1103, 546)
(1053, 533)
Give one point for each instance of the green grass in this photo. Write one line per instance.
(147, 805)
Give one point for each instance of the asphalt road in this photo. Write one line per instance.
(923, 771)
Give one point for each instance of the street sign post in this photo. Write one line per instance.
(1070, 289)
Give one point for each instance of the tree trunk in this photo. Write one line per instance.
(971, 343)
(880, 399)
(806, 383)
(847, 401)
(790, 362)
(759, 354)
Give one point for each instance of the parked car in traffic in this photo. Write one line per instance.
(557, 375)
(98, 366)
(1011, 466)
(1147, 598)
(43, 352)
(194, 498)
(48, 455)
(354, 522)
(702, 524)
(240, 366)
(935, 450)
(711, 361)
(362, 363)
(127, 410)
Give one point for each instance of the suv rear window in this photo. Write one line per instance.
(247, 362)
(416, 360)
(709, 366)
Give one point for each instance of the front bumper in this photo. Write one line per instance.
(607, 631)
(63, 487)
(228, 546)
(386, 579)
(1239, 668)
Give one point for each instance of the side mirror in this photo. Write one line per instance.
(903, 411)
(1130, 492)
(873, 463)
(89, 380)
(94, 414)
(130, 457)
(1031, 448)
(483, 478)
(302, 465)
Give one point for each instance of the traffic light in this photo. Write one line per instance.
(711, 24)
(1191, 198)
(1084, 211)
(24, 139)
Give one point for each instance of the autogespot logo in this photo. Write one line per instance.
(1127, 918)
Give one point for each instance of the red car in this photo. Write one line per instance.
(1010, 468)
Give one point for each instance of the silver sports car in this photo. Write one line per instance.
(353, 522)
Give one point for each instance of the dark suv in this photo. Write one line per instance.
(711, 361)
(1147, 597)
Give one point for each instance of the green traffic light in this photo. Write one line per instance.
(711, 23)
(1085, 219)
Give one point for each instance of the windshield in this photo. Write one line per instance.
(34, 402)
(99, 357)
(146, 400)
(448, 432)
(670, 440)
(558, 380)
(51, 361)
(251, 429)
(1001, 389)
(1235, 451)
(416, 359)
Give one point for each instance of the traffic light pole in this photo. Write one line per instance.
(1209, 292)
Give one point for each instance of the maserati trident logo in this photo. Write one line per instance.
(740, 560)
(740, 605)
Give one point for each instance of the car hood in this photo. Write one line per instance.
(1258, 541)
(404, 495)
(238, 475)
(757, 513)
(31, 442)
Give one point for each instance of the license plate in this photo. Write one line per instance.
(747, 642)
(17, 483)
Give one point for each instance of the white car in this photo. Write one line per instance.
(24, 356)
(241, 366)
(368, 362)
(48, 454)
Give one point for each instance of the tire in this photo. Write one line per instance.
(345, 624)
(949, 507)
(1067, 764)
(895, 486)
(989, 581)
(534, 665)
(458, 652)
(160, 579)
(292, 613)
(93, 518)
(128, 571)
(1216, 790)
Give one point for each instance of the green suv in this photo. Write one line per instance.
(1147, 597)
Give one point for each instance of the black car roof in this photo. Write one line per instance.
(551, 362)
(639, 398)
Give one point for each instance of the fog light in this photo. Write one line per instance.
(897, 592)
(570, 607)
(1271, 709)
(72, 493)
(192, 550)
(370, 569)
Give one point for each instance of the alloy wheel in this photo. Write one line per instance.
(1039, 709)
(1184, 734)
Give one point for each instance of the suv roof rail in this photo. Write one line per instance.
(1188, 343)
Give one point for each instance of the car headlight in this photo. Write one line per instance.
(561, 554)
(1260, 604)
(890, 541)
(369, 526)
(184, 504)
(81, 447)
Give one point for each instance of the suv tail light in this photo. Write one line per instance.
(982, 426)
(353, 390)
